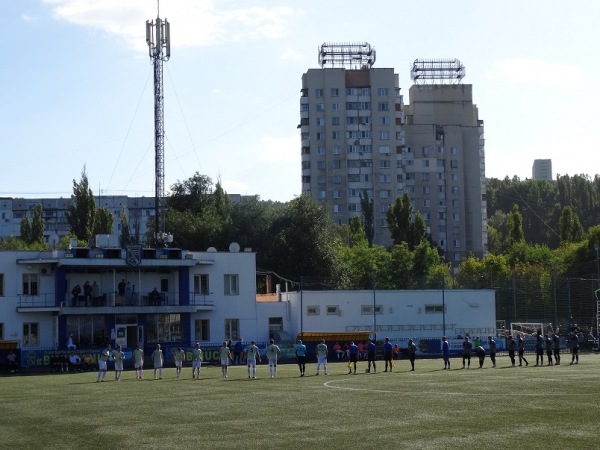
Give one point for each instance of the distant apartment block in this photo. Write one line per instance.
(357, 136)
(542, 169)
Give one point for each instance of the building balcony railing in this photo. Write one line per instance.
(110, 300)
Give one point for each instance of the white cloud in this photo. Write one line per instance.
(28, 18)
(234, 187)
(280, 149)
(292, 55)
(193, 22)
(529, 71)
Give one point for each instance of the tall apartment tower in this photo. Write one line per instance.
(542, 169)
(358, 137)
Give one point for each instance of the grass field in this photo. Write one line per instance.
(533, 407)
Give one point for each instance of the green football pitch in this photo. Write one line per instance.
(522, 407)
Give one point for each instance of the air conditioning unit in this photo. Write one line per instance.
(46, 271)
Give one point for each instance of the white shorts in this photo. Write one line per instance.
(178, 364)
(251, 362)
(196, 364)
(139, 365)
(322, 360)
(119, 365)
(224, 361)
(158, 364)
(101, 365)
(273, 362)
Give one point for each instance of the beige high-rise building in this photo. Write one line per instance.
(542, 169)
(358, 136)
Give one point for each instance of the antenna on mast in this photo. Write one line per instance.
(158, 38)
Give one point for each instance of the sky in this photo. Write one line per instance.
(77, 86)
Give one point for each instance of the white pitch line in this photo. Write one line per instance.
(472, 394)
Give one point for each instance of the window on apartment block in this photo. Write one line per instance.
(201, 284)
(335, 120)
(320, 135)
(320, 107)
(320, 150)
(318, 92)
(30, 284)
(382, 92)
(231, 282)
(321, 121)
(232, 329)
(335, 92)
(31, 334)
(202, 330)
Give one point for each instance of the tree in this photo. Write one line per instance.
(514, 226)
(404, 224)
(81, 212)
(305, 243)
(193, 194)
(25, 229)
(356, 233)
(367, 208)
(570, 226)
(103, 223)
(125, 237)
(37, 226)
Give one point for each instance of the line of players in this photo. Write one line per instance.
(551, 344)
(273, 353)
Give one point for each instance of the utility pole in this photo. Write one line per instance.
(158, 37)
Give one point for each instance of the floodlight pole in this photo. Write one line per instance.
(159, 48)
(374, 284)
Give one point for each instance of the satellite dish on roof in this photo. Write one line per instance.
(211, 250)
(234, 247)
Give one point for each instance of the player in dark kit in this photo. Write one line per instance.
(371, 351)
(467, 346)
(548, 340)
(492, 350)
(511, 344)
(556, 342)
(480, 352)
(388, 350)
(521, 345)
(539, 349)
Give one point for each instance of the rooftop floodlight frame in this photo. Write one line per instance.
(437, 71)
(347, 55)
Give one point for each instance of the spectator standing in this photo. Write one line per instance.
(121, 287)
(95, 293)
(75, 294)
(11, 360)
(87, 293)
(238, 350)
(322, 356)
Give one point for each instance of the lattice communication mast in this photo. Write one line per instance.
(159, 48)
(442, 71)
(347, 55)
